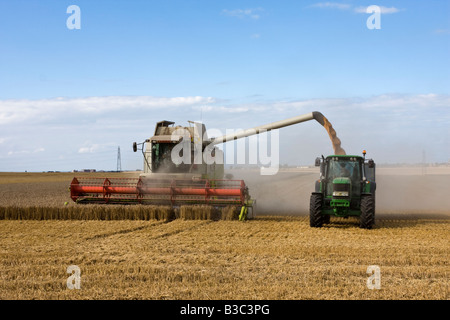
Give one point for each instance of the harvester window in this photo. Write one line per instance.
(161, 156)
(162, 159)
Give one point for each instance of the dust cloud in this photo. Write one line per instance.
(401, 192)
(408, 191)
(285, 193)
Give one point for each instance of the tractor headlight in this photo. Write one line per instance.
(340, 193)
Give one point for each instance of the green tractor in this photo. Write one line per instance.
(346, 188)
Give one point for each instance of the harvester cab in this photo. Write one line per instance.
(178, 152)
(346, 187)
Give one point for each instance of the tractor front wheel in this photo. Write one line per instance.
(315, 211)
(367, 218)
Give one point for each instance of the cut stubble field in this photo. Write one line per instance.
(270, 257)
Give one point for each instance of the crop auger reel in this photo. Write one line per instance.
(176, 192)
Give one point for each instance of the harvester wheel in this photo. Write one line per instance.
(367, 218)
(315, 211)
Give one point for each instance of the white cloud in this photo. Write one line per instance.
(345, 6)
(394, 126)
(28, 151)
(244, 13)
(331, 5)
(20, 111)
(222, 109)
(89, 147)
(442, 31)
(383, 10)
(29, 112)
(387, 103)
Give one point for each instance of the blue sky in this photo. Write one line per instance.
(69, 98)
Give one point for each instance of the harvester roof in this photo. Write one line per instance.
(166, 138)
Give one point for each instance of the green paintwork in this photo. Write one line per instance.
(341, 180)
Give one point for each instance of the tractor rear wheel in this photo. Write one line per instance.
(315, 211)
(367, 218)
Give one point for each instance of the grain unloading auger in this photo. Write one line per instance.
(168, 181)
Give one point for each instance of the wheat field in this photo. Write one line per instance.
(270, 257)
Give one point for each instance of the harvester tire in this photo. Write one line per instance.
(315, 211)
(367, 218)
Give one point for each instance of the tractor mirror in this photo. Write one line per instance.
(134, 146)
(371, 163)
(322, 168)
(317, 162)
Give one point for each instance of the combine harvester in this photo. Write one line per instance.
(191, 182)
